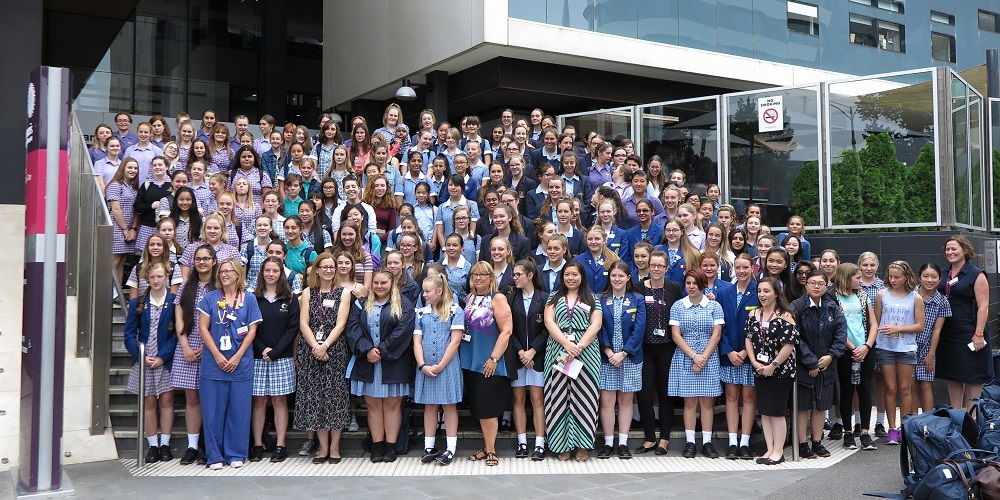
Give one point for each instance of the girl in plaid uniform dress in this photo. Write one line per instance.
(696, 325)
(621, 362)
(274, 367)
(120, 196)
(149, 320)
(936, 309)
(186, 370)
(440, 326)
(254, 251)
(321, 403)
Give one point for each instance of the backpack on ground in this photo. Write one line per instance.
(953, 478)
(987, 415)
(930, 437)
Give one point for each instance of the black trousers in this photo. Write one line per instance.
(864, 389)
(655, 375)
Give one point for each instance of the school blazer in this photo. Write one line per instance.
(529, 332)
(505, 285)
(633, 235)
(521, 246)
(533, 204)
(137, 330)
(734, 332)
(633, 325)
(536, 159)
(675, 268)
(546, 274)
(396, 345)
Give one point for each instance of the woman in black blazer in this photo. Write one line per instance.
(380, 335)
(527, 303)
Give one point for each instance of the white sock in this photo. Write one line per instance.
(881, 418)
(152, 441)
(689, 435)
(428, 443)
(826, 415)
(506, 415)
(609, 440)
(706, 437)
(622, 439)
(656, 412)
(745, 440)
(164, 439)
(857, 418)
(452, 443)
(539, 441)
(733, 439)
(193, 440)
(522, 438)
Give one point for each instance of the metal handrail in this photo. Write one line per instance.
(140, 421)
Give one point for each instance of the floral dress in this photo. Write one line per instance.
(323, 395)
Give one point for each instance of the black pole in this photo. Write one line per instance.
(992, 75)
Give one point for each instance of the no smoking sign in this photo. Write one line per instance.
(769, 111)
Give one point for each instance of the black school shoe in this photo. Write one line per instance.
(837, 433)
(429, 455)
(378, 452)
(153, 455)
(539, 454)
(690, 450)
(820, 450)
(606, 452)
(733, 452)
(190, 455)
(165, 454)
(805, 451)
(522, 451)
(256, 454)
(708, 450)
(745, 453)
(623, 452)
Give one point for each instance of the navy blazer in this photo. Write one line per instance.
(536, 159)
(395, 343)
(545, 274)
(521, 246)
(675, 268)
(137, 330)
(505, 285)
(597, 274)
(529, 331)
(734, 332)
(533, 204)
(523, 188)
(576, 243)
(633, 325)
(633, 235)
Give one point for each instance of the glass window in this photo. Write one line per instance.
(890, 37)
(881, 152)
(988, 21)
(960, 155)
(863, 31)
(803, 18)
(940, 17)
(890, 5)
(777, 170)
(684, 135)
(942, 47)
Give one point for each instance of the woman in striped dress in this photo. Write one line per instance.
(573, 320)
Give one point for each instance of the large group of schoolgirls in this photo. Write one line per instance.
(495, 271)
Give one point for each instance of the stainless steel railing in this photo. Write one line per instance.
(141, 420)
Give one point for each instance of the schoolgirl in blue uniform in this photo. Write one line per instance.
(644, 230)
(228, 324)
(621, 335)
(597, 259)
(681, 254)
(527, 341)
(734, 368)
(440, 326)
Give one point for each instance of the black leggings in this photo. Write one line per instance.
(655, 375)
(864, 389)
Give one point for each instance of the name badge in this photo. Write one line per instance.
(329, 303)
(584, 307)
(225, 343)
(467, 337)
(659, 332)
(649, 299)
(765, 324)
(605, 273)
(750, 308)
(630, 311)
(570, 336)
(953, 280)
(231, 317)
(763, 358)
(242, 331)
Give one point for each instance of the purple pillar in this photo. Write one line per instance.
(44, 320)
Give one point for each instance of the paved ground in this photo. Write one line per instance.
(850, 477)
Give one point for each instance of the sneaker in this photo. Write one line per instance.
(849, 442)
(733, 452)
(837, 432)
(308, 448)
(867, 443)
(522, 451)
(805, 451)
(880, 430)
(857, 430)
(236, 464)
(256, 453)
(708, 450)
(892, 437)
(820, 450)
(215, 466)
(353, 426)
(279, 455)
(827, 425)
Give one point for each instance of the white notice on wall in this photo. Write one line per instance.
(769, 114)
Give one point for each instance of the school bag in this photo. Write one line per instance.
(930, 437)
(987, 415)
(950, 479)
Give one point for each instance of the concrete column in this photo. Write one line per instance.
(437, 96)
(272, 80)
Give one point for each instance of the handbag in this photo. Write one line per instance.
(988, 481)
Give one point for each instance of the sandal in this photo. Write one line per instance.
(491, 459)
(479, 455)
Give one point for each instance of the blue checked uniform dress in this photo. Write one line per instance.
(696, 322)
(628, 376)
(935, 307)
(435, 335)
(571, 405)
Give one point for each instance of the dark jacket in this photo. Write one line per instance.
(529, 331)
(278, 329)
(822, 331)
(734, 333)
(633, 325)
(395, 346)
(411, 290)
(149, 193)
(137, 330)
(521, 246)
